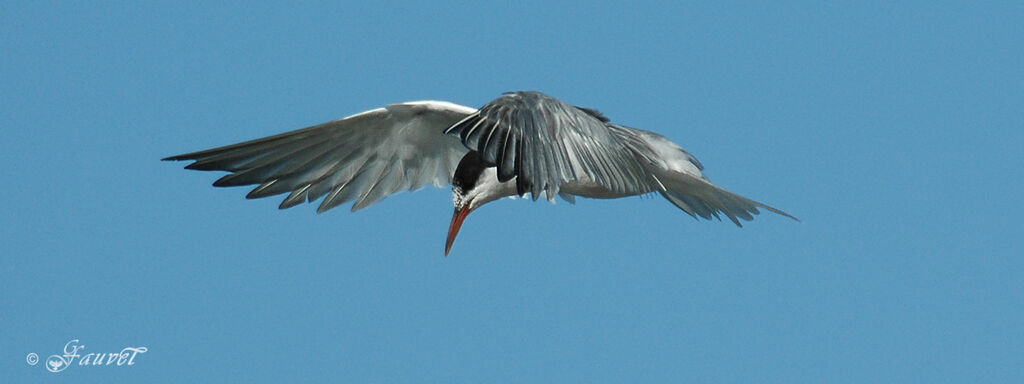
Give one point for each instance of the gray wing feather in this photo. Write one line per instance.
(698, 197)
(677, 176)
(543, 143)
(364, 157)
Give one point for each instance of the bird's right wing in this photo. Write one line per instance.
(365, 157)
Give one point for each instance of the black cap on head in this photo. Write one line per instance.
(468, 171)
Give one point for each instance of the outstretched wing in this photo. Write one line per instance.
(365, 157)
(544, 143)
(677, 176)
(698, 197)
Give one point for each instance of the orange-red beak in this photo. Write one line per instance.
(453, 230)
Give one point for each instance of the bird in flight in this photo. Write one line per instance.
(520, 143)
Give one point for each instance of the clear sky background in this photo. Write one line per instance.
(893, 130)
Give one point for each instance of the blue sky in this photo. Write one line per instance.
(893, 130)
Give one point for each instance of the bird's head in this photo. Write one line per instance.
(473, 185)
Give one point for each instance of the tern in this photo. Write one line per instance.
(520, 143)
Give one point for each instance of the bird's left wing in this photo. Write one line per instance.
(676, 174)
(366, 156)
(544, 143)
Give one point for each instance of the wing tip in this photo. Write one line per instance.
(185, 156)
(715, 200)
(780, 212)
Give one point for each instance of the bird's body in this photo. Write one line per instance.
(521, 143)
